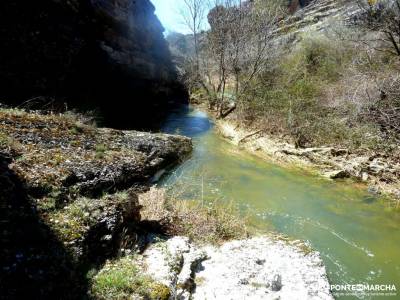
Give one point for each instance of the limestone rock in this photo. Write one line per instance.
(257, 268)
(234, 272)
(377, 166)
(173, 262)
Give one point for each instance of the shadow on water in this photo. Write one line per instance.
(34, 264)
(188, 122)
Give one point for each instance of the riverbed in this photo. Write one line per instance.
(357, 235)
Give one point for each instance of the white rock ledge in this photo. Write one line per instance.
(256, 268)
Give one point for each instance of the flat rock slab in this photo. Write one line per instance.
(261, 268)
(257, 268)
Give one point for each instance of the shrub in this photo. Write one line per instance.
(10, 144)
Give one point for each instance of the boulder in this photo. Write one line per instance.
(234, 271)
(91, 228)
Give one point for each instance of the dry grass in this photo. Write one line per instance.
(214, 223)
(211, 223)
(153, 205)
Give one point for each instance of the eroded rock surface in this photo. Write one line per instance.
(261, 268)
(57, 153)
(256, 268)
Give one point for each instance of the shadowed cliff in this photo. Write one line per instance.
(103, 55)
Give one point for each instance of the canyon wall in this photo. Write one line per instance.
(104, 55)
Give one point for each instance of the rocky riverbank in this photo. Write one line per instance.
(380, 173)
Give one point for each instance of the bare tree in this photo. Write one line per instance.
(239, 42)
(193, 13)
(217, 41)
(233, 51)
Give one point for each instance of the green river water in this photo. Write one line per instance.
(357, 234)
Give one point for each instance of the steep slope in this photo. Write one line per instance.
(95, 54)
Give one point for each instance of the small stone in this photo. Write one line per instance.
(377, 166)
(364, 176)
(337, 174)
(107, 237)
(260, 261)
(373, 190)
(276, 284)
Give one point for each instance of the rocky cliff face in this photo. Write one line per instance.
(314, 16)
(108, 55)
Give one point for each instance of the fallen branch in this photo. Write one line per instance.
(250, 135)
(229, 111)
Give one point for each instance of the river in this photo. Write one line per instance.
(357, 234)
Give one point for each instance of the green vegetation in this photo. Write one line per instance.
(4, 140)
(8, 143)
(333, 87)
(293, 98)
(100, 151)
(73, 221)
(123, 279)
(306, 96)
